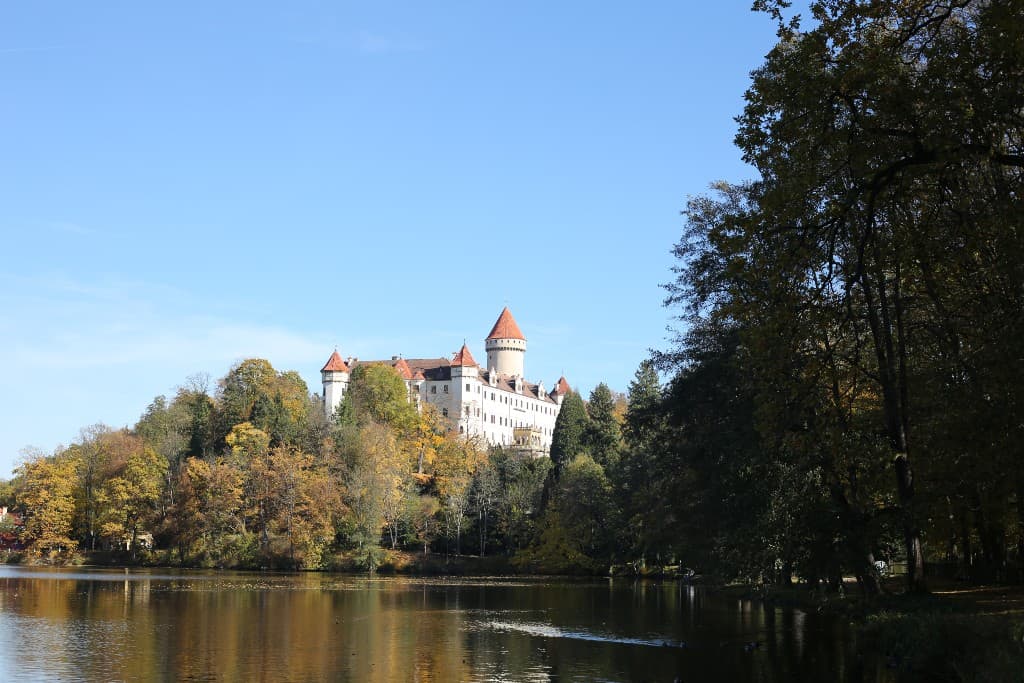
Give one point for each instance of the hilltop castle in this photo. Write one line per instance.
(495, 403)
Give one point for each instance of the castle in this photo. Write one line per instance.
(496, 403)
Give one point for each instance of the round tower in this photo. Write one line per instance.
(335, 376)
(506, 346)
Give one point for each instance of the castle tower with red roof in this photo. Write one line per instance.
(335, 376)
(506, 346)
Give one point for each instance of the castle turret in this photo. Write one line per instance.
(464, 365)
(561, 389)
(335, 376)
(506, 346)
(465, 389)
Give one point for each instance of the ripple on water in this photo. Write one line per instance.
(545, 630)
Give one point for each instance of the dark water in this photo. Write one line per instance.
(101, 625)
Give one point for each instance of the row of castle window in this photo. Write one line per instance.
(504, 399)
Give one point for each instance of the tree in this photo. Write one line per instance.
(377, 393)
(240, 389)
(209, 509)
(250, 454)
(873, 145)
(458, 460)
(201, 410)
(376, 481)
(642, 425)
(421, 515)
(604, 434)
(587, 508)
(485, 494)
(643, 396)
(47, 495)
(887, 143)
(568, 439)
(522, 481)
(130, 495)
(305, 507)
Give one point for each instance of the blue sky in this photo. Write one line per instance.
(185, 186)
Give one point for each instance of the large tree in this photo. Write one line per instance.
(47, 495)
(874, 266)
(569, 437)
(377, 393)
(604, 434)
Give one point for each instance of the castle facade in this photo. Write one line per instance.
(494, 403)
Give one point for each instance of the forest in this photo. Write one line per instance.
(255, 475)
(844, 387)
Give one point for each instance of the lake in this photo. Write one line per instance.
(106, 625)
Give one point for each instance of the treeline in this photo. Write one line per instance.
(850, 384)
(255, 475)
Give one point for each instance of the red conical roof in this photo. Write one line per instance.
(335, 364)
(464, 357)
(505, 327)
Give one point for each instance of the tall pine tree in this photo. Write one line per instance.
(604, 435)
(569, 438)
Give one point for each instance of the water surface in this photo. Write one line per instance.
(86, 624)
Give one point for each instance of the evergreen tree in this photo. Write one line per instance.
(570, 434)
(644, 393)
(632, 479)
(604, 435)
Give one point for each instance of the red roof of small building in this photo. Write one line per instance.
(562, 387)
(335, 364)
(403, 368)
(506, 327)
(464, 357)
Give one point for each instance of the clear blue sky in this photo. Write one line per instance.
(185, 186)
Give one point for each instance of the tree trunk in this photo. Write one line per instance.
(890, 354)
(483, 532)
(1020, 523)
(965, 544)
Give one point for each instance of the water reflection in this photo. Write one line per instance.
(161, 625)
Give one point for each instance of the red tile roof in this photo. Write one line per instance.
(505, 327)
(562, 387)
(403, 368)
(335, 364)
(464, 357)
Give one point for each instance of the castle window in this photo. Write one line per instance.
(433, 390)
(467, 386)
(460, 429)
(444, 411)
(467, 411)
(446, 388)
